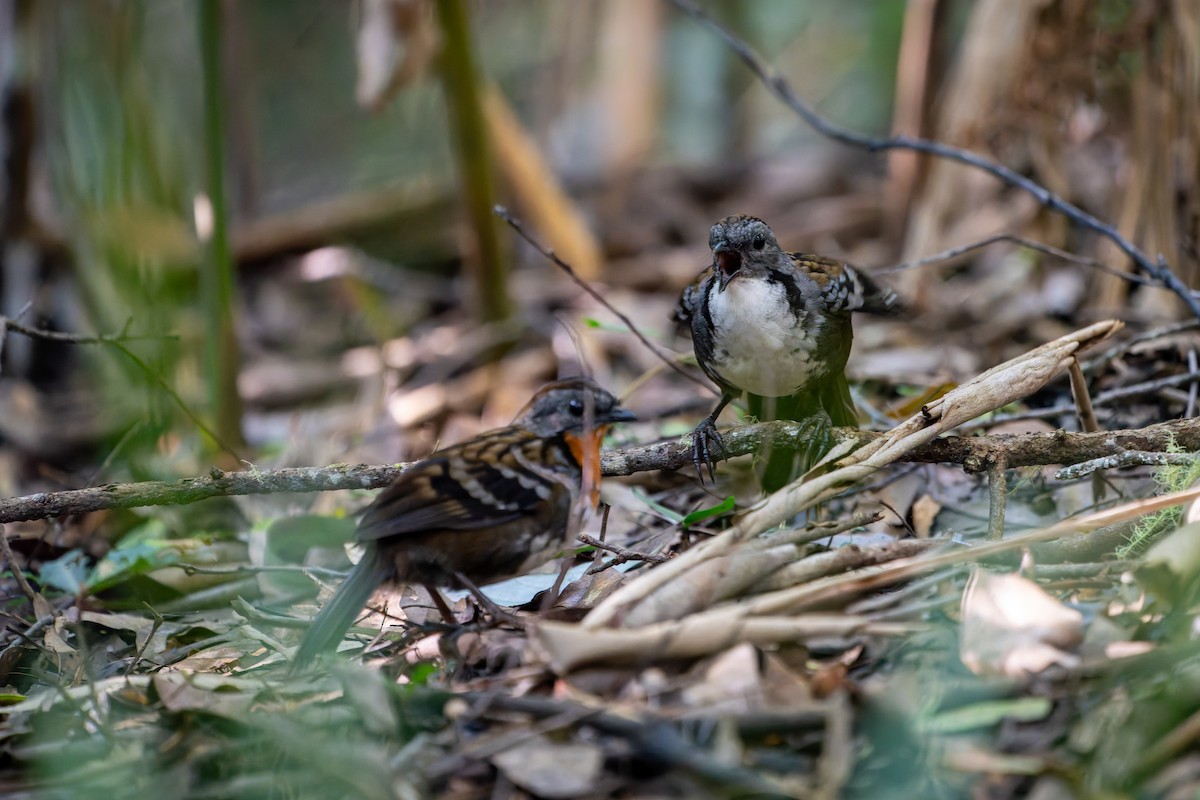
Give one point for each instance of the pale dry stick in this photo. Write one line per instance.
(840, 586)
(993, 389)
(782, 616)
(1087, 418)
(1083, 398)
(564, 646)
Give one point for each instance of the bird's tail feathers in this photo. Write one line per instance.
(331, 624)
(781, 465)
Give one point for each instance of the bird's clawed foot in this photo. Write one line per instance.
(816, 433)
(707, 448)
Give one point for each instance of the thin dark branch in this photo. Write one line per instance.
(1100, 400)
(622, 554)
(117, 341)
(975, 454)
(955, 252)
(10, 324)
(503, 214)
(779, 86)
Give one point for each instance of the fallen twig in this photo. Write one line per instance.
(975, 454)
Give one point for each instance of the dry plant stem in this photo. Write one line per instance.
(669, 360)
(973, 453)
(1083, 398)
(1087, 418)
(840, 587)
(779, 86)
(757, 620)
(844, 559)
(565, 646)
(997, 497)
(22, 582)
(993, 389)
(823, 530)
(621, 553)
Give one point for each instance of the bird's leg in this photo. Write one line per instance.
(707, 446)
(440, 603)
(494, 611)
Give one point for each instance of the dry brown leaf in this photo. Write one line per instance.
(924, 512)
(550, 769)
(1010, 626)
(729, 684)
(180, 693)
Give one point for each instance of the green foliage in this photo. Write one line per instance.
(1172, 478)
(701, 514)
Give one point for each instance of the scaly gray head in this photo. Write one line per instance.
(743, 245)
(567, 406)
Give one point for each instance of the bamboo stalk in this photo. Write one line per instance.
(460, 80)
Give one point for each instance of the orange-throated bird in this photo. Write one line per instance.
(776, 325)
(478, 512)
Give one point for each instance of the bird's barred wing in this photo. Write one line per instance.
(844, 288)
(689, 298)
(479, 484)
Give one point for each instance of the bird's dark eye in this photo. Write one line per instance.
(575, 407)
(759, 242)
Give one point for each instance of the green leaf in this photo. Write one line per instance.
(592, 322)
(124, 562)
(702, 514)
(985, 715)
(67, 573)
(667, 513)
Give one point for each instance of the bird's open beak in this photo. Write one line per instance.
(619, 414)
(729, 262)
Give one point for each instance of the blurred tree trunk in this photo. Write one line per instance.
(217, 281)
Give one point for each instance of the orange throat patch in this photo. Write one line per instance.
(586, 449)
